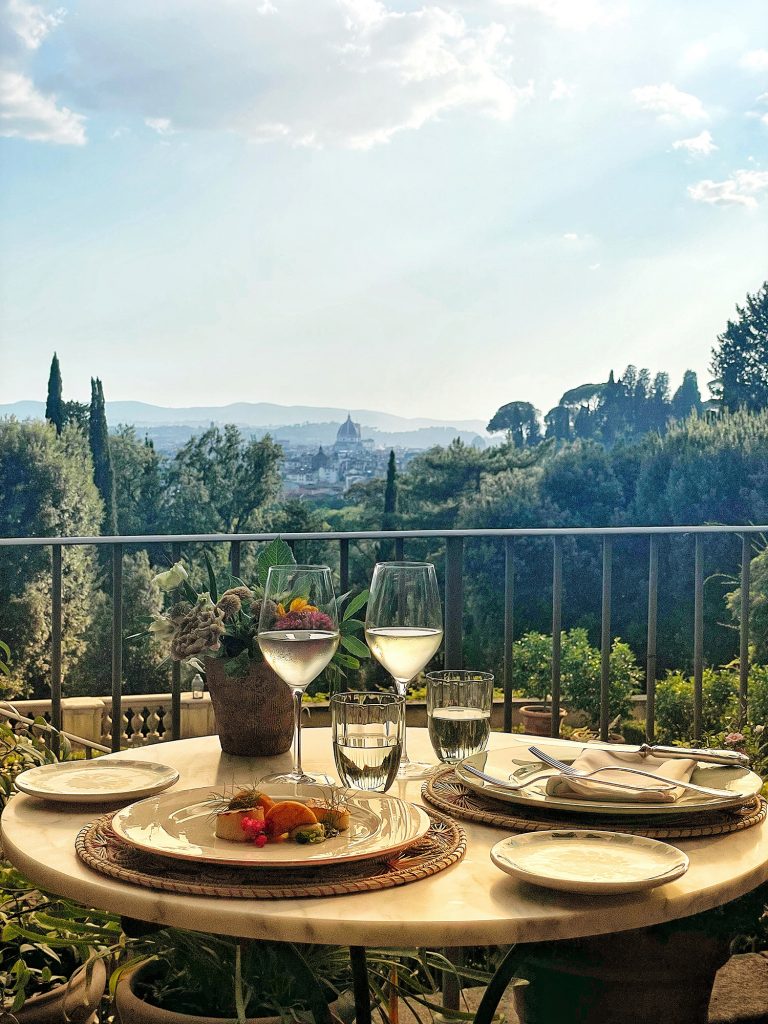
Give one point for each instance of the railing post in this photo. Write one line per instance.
(557, 625)
(117, 646)
(650, 654)
(399, 549)
(176, 675)
(344, 565)
(698, 638)
(509, 628)
(234, 557)
(746, 565)
(56, 585)
(454, 571)
(605, 637)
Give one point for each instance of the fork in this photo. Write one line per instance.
(522, 783)
(569, 770)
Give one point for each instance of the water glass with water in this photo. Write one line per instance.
(368, 731)
(459, 712)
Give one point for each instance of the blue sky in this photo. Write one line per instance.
(427, 208)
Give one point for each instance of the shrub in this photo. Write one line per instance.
(674, 704)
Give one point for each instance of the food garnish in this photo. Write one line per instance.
(251, 815)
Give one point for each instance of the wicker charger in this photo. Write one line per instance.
(443, 845)
(444, 790)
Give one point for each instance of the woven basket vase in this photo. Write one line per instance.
(254, 712)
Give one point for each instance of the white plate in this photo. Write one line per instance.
(600, 863)
(96, 781)
(182, 825)
(517, 763)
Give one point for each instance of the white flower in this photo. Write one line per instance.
(162, 628)
(758, 729)
(172, 578)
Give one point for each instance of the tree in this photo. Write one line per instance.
(687, 398)
(98, 438)
(54, 407)
(740, 362)
(389, 519)
(79, 413)
(46, 490)
(558, 423)
(138, 483)
(520, 420)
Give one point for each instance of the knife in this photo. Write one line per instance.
(732, 758)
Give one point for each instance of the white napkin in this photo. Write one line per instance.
(672, 770)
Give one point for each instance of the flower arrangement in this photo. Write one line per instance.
(223, 624)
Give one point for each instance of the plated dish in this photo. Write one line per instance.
(592, 862)
(516, 764)
(182, 825)
(97, 781)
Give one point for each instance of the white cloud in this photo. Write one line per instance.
(562, 90)
(743, 188)
(700, 145)
(26, 113)
(669, 102)
(575, 14)
(755, 60)
(594, 266)
(29, 21)
(161, 125)
(571, 236)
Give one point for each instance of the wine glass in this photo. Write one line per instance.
(404, 627)
(298, 635)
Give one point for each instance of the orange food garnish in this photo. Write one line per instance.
(286, 815)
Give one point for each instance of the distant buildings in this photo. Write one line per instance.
(352, 459)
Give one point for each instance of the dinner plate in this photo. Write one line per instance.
(98, 781)
(182, 825)
(598, 863)
(517, 763)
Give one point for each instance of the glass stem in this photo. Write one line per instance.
(297, 696)
(402, 690)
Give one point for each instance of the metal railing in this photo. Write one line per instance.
(454, 582)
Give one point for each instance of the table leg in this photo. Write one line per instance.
(360, 984)
(652, 974)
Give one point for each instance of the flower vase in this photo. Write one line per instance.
(254, 711)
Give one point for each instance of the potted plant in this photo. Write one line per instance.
(532, 675)
(215, 631)
(52, 955)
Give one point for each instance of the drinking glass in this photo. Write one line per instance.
(298, 635)
(404, 628)
(368, 731)
(459, 712)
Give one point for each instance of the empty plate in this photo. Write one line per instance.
(589, 861)
(98, 781)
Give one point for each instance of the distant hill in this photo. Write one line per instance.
(302, 424)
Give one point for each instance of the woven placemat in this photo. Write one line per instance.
(443, 845)
(444, 790)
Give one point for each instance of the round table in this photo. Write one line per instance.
(471, 903)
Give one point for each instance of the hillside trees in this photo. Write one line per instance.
(103, 475)
(54, 405)
(521, 422)
(740, 359)
(46, 490)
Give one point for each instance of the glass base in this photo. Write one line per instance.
(300, 779)
(415, 770)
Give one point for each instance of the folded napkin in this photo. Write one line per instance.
(672, 770)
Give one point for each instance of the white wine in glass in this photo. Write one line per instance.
(298, 635)
(404, 628)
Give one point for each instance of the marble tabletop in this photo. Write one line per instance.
(471, 903)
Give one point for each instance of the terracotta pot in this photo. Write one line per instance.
(132, 1010)
(76, 1001)
(254, 712)
(537, 719)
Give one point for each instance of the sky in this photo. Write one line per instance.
(426, 208)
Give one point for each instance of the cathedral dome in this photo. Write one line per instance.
(348, 432)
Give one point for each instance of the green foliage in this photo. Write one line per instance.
(579, 672)
(740, 360)
(54, 407)
(520, 420)
(20, 750)
(103, 475)
(46, 489)
(674, 703)
(758, 605)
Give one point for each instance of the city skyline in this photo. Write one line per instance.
(429, 210)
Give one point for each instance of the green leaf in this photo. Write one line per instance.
(347, 626)
(346, 660)
(277, 552)
(356, 604)
(212, 587)
(355, 647)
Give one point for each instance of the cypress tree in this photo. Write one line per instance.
(54, 406)
(98, 438)
(390, 494)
